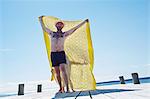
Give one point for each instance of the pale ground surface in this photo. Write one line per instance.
(128, 91)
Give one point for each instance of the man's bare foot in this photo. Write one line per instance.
(61, 90)
(67, 88)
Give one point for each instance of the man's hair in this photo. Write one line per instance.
(59, 22)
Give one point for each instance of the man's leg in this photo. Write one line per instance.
(64, 73)
(58, 77)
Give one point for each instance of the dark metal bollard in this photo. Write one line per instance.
(121, 80)
(21, 89)
(39, 88)
(135, 78)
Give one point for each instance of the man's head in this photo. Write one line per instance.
(59, 25)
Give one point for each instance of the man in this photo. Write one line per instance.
(58, 57)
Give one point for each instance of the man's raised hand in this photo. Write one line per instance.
(41, 17)
(87, 20)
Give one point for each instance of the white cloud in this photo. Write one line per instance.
(139, 65)
(147, 65)
(6, 50)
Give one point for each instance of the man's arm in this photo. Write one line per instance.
(69, 32)
(43, 26)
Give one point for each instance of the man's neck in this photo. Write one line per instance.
(59, 31)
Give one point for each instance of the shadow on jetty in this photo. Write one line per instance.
(7, 95)
(90, 93)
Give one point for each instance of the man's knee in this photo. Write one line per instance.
(57, 70)
(62, 67)
(63, 71)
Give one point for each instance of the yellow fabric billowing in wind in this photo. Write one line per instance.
(79, 52)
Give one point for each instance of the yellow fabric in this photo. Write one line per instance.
(79, 52)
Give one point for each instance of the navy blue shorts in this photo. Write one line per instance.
(58, 58)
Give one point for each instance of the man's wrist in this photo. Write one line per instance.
(87, 20)
(41, 17)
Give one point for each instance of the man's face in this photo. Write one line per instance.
(59, 25)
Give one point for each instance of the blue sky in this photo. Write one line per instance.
(119, 30)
